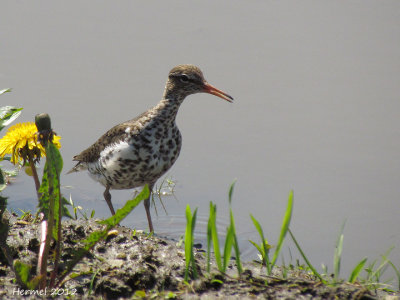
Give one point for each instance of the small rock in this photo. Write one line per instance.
(121, 255)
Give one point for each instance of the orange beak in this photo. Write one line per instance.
(208, 88)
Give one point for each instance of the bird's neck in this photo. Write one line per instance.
(168, 107)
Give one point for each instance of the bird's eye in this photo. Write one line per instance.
(184, 78)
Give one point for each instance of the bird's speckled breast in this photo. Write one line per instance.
(140, 158)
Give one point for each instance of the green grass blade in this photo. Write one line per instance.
(126, 209)
(232, 224)
(338, 253)
(397, 271)
(338, 257)
(189, 255)
(230, 193)
(264, 249)
(96, 236)
(305, 258)
(258, 227)
(193, 262)
(376, 275)
(214, 235)
(64, 210)
(92, 280)
(284, 228)
(237, 255)
(228, 248)
(236, 245)
(370, 270)
(257, 247)
(356, 271)
(194, 222)
(188, 241)
(209, 241)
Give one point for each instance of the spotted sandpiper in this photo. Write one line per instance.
(139, 151)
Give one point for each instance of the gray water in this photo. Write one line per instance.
(316, 88)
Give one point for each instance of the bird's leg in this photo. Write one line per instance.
(147, 207)
(107, 197)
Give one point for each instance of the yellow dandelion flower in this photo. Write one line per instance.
(20, 140)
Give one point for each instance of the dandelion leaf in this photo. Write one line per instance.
(5, 91)
(127, 208)
(51, 198)
(44, 193)
(22, 271)
(97, 236)
(8, 114)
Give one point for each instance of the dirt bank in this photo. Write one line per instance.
(132, 264)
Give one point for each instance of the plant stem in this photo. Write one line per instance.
(34, 174)
(43, 254)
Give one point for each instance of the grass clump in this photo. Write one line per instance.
(374, 272)
(264, 248)
(230, 239)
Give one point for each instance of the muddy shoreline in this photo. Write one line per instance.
(132, 264)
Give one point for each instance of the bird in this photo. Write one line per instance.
(139, 151)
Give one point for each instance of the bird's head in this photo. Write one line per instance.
(185, 80)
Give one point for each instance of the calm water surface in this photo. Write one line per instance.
(316, 88)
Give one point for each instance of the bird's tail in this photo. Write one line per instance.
(78, 167)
